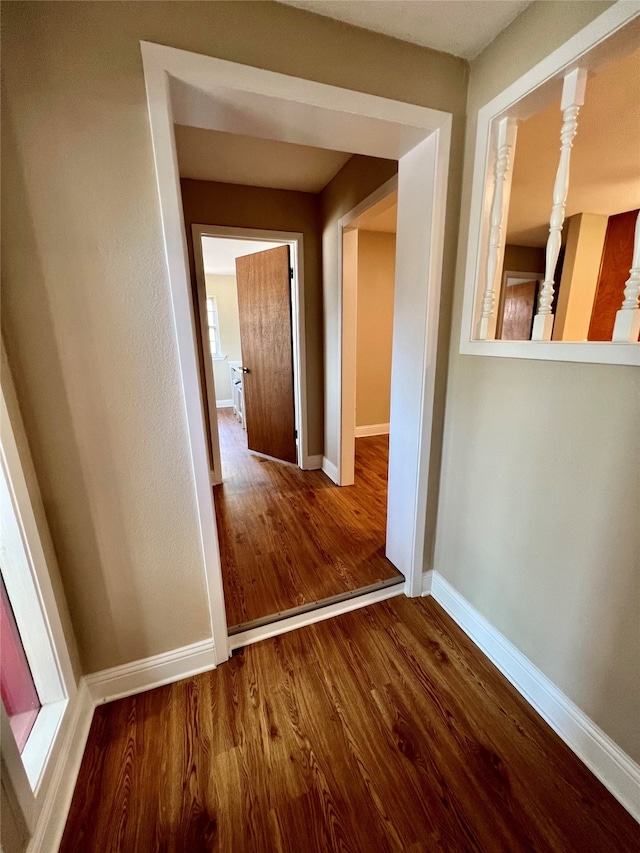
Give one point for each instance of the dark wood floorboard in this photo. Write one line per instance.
(384, 729)
(290, 537)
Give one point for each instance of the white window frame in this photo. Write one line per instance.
(215, 347)
(532, 92)
(27, 578)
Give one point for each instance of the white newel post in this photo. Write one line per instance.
(506, 138)
(572, 100)
(627, 325)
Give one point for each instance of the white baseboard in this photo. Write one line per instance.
(224, 404)
(372, 429)
(313, 463)
(330, 470)
(55, 808)
(147, 673)
(613, 767)
(96, 689)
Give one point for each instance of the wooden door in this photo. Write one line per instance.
(264, 304)
(519, 308)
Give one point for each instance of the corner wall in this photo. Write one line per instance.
(540, 495)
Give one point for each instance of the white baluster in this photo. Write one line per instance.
(506, 138)
(627, 325)
(572, 100)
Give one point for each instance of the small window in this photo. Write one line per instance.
(214, 331)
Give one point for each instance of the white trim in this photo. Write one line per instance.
(148, 673)
(57, 802)
(613, 767)
(347, 307)
(168, 182)
(372, 429)
(330, 470)
(265, 632)
(295, 241)
(224, 404)
(544, 79)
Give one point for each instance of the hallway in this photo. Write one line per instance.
(289, 537)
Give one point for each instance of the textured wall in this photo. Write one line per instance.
(538, 519)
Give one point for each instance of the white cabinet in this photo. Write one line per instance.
(237, 390)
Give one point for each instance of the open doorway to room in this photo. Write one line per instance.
(290, 539)
(244, 104)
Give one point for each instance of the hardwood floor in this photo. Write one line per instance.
(290, 537)
(384, 729)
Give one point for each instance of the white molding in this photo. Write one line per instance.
(613, 767)
(274, 629)
(224, 404)
(372, 429)
(55, 808)
(538, 86)
(330, 470)
(314, 462)
(148, 673)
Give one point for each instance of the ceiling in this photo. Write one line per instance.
(461, 27)
(381, 217)
(605, 160)
(219, 253)
(211, 155)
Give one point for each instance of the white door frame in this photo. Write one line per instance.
(191, 88)
(349, 328)
(295, 241)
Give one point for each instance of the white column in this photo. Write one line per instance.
(572, 100)
(506, 137)
(627, 325)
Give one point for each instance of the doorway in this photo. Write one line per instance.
(290, 539)
(232, 264)
(246, 100)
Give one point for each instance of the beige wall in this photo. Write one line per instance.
(86, 309)
(376, 275)
(538, 520)
(225, 290)
(585, 235)
(211, 203)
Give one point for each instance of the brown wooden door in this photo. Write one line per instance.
(264, 304)
(519, 308)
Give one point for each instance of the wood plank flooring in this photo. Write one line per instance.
(384, 729)
(290, 537)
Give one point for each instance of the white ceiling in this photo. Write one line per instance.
(219, 253)
(211, 155)
(381, 217)
(461, 27)
(605, 160)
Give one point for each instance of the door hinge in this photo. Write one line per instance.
(291, 273)
(295, 433)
